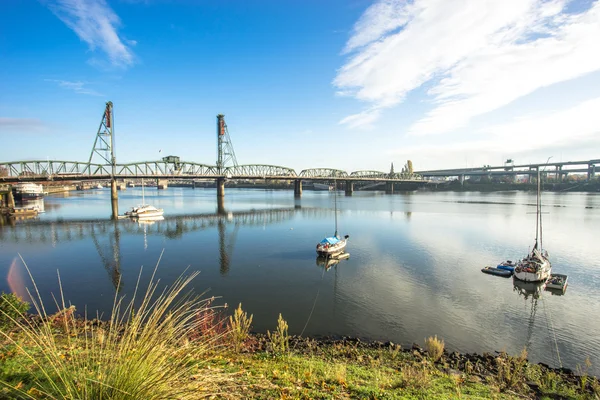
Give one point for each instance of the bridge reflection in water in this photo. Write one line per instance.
(106, 234)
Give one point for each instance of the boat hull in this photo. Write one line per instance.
(148, 214)
(538, 276)
(332, 250)
(497, 272)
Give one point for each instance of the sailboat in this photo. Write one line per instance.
(332, 245)
(144, 210)
(535, 267)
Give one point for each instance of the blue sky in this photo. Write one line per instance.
(351, 84)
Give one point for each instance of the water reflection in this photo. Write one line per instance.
(328, 262)
(110, 253)
(410, 276)
(36, 204)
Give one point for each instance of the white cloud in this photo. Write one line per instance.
(538, 136)
(21, 125)
(96, 24)
(77, 87)
(477, 55)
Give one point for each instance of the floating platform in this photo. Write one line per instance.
(497, 271)
(557, 282)
(18, 212)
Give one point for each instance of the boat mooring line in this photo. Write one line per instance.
(553, 332)
(314, 304)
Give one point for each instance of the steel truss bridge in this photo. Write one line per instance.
(54, 170)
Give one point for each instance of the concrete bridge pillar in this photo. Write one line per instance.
(349, 188)
(9, 198)
(389, 188)
(162, 183)
(558, 175)
(114, 199)
(461, 178)
(298, 188)
(591, 172)
(220, 187)
(221, 206)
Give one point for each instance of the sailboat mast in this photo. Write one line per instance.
(537, 208)
(143, 198)
(335, 204)
(540, 212)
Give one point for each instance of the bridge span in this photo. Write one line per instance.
(559, 169)
(102, 165)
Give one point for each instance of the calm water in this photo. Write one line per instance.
(413, 270)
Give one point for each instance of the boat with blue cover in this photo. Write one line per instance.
(332, 245)
(497, 271)
(507, 265)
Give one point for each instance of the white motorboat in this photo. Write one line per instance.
(536, 266)
(332, 245)
(144, 210)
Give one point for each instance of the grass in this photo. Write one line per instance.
(11, 307)
(177, 345)
(280, 338)
(239, 327)
(146, 354)
(434, 347)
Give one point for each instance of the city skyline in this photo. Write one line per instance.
(347, 85)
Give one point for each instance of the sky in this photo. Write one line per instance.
(346, 84)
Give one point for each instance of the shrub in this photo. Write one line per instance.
(511, 370)
(280, 339)
(11, 308)
(434, 347)
(239, 327)
(141, 355)
(583, 373)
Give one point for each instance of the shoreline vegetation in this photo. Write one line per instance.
(173, 345)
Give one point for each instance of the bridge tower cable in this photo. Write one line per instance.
(225, 152)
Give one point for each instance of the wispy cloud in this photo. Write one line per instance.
(96, 24)
(475, 56)
(77, 87)
(21, 125)
(567, 130)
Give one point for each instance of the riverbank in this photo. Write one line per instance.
(293, 367)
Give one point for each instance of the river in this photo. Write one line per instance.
(413, 270)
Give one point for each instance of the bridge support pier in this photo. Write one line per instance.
(221, 206)
(591, 172)
(389, 188)
(298, 188)
(349, 188)
(8, 199)
(220, 187)
(114, 199)
(162, 183)
(462, 179)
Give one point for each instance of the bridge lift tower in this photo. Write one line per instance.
(104, 146)
(225, 153)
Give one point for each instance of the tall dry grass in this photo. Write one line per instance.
(434, 347)
(150, 353)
